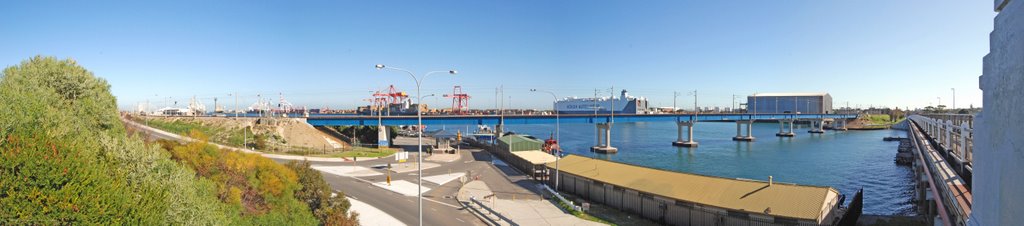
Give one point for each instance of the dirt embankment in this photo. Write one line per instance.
(282, 134)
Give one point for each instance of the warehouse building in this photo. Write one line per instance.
(788, 103)
(524, 153)
(675, 198)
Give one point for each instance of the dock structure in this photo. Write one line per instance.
(676, 198)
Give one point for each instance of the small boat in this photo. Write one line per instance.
(551, 146)
(892, 138)
(483, 134)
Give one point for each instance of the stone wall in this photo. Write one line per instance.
(999, 147)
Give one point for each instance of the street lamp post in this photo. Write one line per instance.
(675, 95)
(557, 134)
(954, 98)
(419, 126)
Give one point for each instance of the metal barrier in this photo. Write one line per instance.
(482, 206)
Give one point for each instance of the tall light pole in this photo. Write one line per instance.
(675, 95)
(419, 126)
(734, 103)
(557, 134)
(694, 106)
(954, 98)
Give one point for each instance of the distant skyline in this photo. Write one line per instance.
(321, 53)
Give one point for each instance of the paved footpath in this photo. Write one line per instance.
(371, 216)
(519, 211)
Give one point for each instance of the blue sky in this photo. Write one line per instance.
(873, 52)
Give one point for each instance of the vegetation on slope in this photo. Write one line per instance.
(65, 158)
(254, 187)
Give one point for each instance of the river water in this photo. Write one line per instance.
(845, 160)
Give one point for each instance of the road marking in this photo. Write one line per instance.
(460, 220)
(446, 204)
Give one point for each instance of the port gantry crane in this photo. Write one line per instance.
(460, 101)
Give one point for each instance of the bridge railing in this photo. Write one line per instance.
(943, 185)
(954, 133)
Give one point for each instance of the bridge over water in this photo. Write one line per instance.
(348, 120)
(603, 122)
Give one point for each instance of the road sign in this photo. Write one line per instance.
(401, 156)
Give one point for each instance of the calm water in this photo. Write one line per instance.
(847, 160)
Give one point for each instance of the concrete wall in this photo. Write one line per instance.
(999, 145)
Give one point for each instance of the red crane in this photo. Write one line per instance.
(460, 101)
(395, 96)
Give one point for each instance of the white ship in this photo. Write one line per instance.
(623, 104)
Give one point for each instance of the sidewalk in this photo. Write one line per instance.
(369, 215)
(514, 212)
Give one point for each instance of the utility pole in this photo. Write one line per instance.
(694, 105)
(954, 98)
(675, 95)
(733, 103)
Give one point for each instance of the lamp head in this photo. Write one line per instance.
(379, 66)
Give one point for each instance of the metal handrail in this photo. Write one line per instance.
(931, 179)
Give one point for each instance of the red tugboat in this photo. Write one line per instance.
(551, 146)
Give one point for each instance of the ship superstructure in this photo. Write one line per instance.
(624, 103)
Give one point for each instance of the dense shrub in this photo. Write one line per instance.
(329, 207)
(261, 189)
(67, 158)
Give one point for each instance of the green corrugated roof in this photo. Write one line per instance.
(520, 142)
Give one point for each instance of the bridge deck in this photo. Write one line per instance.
(954, 196)
(550, 119)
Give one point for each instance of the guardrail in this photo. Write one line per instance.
(492, 211)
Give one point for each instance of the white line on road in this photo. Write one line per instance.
(460, 220)
(446, 204)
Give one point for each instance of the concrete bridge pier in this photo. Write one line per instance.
(782, 123)
(499, 130)
(817, 126)
(840, 125)
(604, 133)
(689, 134)
(748, 137)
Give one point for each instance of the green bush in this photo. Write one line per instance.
(67, 158)
(328, 207)
(263, 191)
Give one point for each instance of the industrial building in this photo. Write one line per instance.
(674, 198)
(786, 103)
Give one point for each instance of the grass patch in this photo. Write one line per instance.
(230, 137)
(579, 214)
(362, 152)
